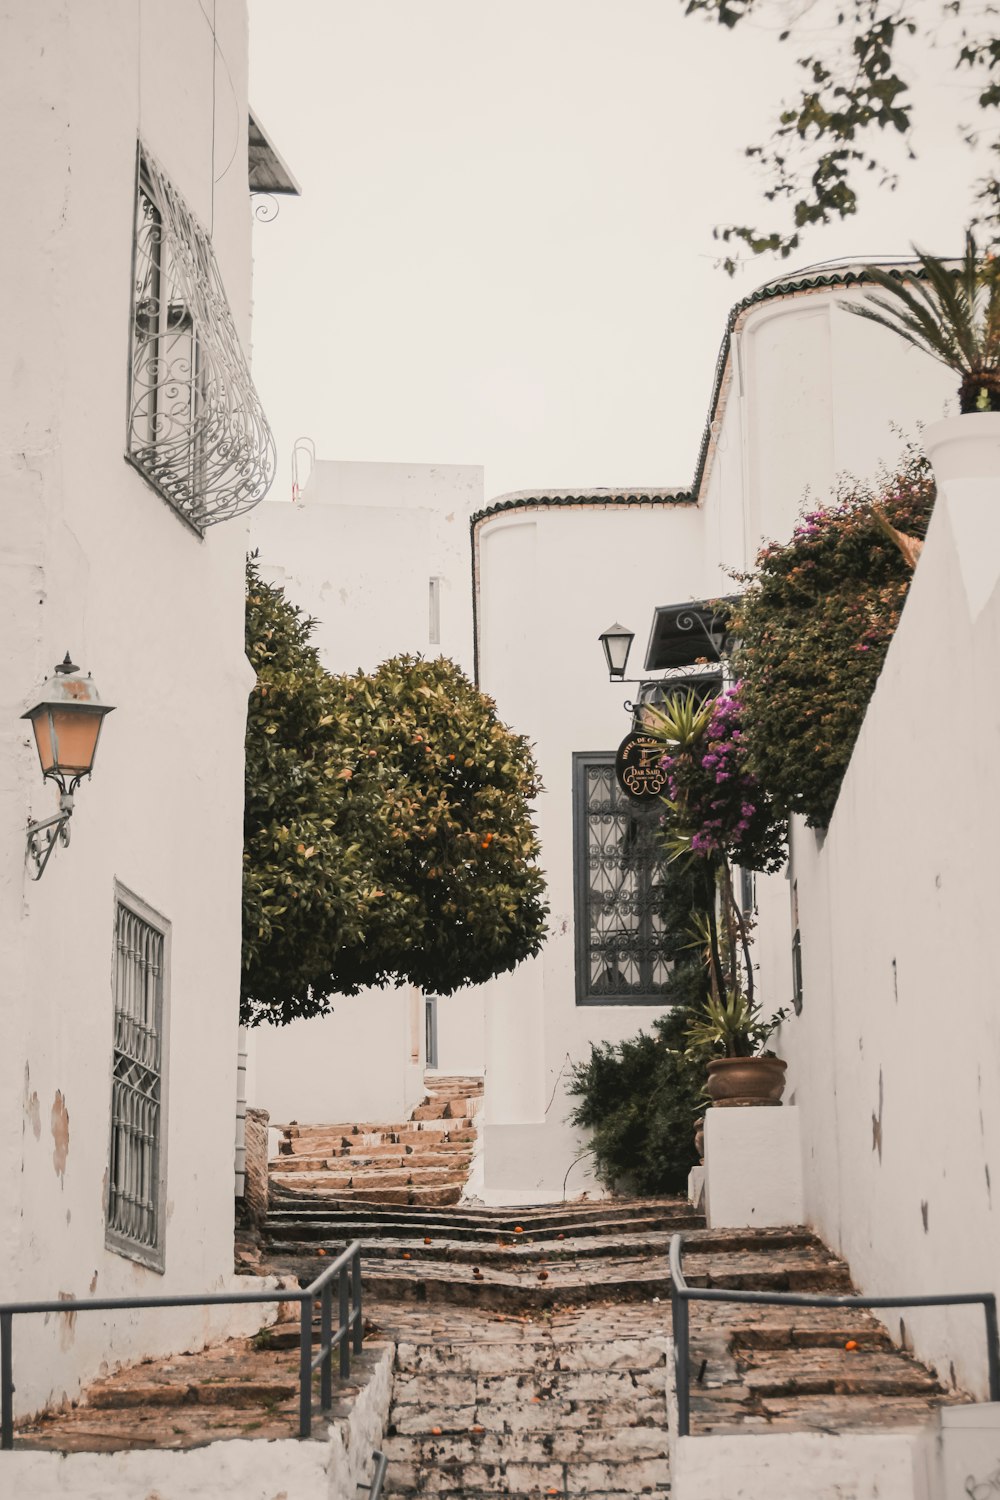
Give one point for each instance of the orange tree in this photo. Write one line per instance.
(388, 836)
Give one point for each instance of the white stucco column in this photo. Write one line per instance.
(965, 455)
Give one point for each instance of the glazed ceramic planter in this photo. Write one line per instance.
(746, 1080)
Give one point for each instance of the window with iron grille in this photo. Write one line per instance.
(618, 868)
(136, 1170)
(196, 429)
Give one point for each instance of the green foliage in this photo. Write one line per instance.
(953, 315)
(813, 629)
(388, 837)
(855, 83)
(731, 1025)
(641, 1098)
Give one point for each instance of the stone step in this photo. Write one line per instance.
(423, 1277)
(441, 1153)
(460, 1127)
(529, 1355)
(547, 1494)
(836, 1372)
(399, 1196)
(446, 1390)
(302, 1210)
(712, 1416)
(346, 1176)
(562, 1443)
(595, 1478)
(417, 1421)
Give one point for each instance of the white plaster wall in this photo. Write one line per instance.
(357, 551)
(895, 1058)
(333, 1468)
(550, 581)
(93, 560)
(811, 393)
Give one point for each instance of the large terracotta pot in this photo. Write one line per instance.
(746, 1080)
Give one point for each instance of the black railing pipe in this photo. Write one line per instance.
(681, 1294)
(350, 1331)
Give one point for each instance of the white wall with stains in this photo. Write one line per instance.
(94, 561)
(379, 555)
(895, 1058)
(551, 577)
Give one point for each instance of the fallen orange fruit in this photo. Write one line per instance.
(518, 1229)
(427, 1239)
(851, 1344)
(435, 1432)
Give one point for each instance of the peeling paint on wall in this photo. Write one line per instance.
(877, 1121)
(60, 1134)
(32, 1109)
(67, 1323)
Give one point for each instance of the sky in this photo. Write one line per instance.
(503, 250)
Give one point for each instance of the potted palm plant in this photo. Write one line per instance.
(951, 310)
(717, 812)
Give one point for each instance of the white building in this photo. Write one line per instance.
(804, 393)
(128, 426)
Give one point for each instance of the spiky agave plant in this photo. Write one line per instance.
(952, 313)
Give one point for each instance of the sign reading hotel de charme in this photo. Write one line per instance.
(637, 766)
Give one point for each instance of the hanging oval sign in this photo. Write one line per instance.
(637, 766)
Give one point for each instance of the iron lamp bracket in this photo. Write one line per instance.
(43, 837)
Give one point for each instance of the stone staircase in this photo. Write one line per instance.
(424, 1160)
(531, 1344)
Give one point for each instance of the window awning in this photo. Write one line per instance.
(268, 172)
(686, 633)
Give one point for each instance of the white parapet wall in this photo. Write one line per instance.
(894, 1059)
(803, 1466)
(753, 1167)
(338, 1467)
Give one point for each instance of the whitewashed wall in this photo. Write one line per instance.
(94, 561)
(895, 1058)
(551, 579)
(810, 394)
(358, 552)
(893, 1061)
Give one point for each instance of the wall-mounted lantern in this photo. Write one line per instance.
(66, 717)
(617, 643)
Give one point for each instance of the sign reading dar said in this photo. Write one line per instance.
(637, 766)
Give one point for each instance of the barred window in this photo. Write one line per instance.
(136, 1172)
(618, 869)
(196, 429)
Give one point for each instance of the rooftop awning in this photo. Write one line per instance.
(683, 634)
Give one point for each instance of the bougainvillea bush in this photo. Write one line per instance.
(717, 806)
(813, 629)
(388, 835)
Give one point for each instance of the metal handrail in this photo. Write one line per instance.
(378, 1478)
(346, 1269)
(681, 1294)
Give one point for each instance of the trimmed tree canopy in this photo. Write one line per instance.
(387, 834)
